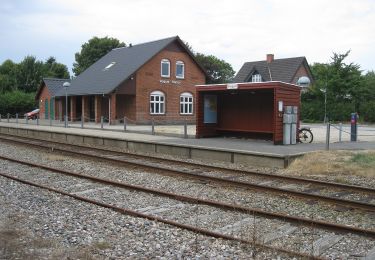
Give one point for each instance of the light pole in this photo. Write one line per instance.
(66, 85)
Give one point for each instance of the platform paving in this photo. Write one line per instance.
(217, 143)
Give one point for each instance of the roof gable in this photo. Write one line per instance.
(53, 85)
(116, 66)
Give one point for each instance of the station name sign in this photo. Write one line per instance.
(166, 81)
(232, 86)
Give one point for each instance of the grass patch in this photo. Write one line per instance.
(364, 159)
(339, 163)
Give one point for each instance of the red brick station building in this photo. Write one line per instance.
(162, 81)
(154, 80)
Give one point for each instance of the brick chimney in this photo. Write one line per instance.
(270, 58)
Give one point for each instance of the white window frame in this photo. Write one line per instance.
(157, 103)
(186, 103)
(180, 63)
(256, 77)
(165, 61)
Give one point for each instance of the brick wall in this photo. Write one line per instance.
(302, 71)
(148, 79)
(44, 94)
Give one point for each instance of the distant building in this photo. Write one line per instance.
(291, 70)
(45, 96)
(150, 81)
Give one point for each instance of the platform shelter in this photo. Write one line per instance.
(253, 110)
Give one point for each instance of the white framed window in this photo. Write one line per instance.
(186, 103)
(157, 103)
(180, 69)
(256, 78)
(165, 70)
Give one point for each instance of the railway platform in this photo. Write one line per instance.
(232, 150)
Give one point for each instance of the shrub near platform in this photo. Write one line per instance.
(16, 102)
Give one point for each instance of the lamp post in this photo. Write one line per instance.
(66, 85)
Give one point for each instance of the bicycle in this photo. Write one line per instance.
(305, 135)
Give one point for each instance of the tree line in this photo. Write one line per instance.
(338, 88)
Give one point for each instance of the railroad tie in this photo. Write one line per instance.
(322, 244)
(280, 232)
(370, 255)
(228, 229)
(159, 209)
(89, 191)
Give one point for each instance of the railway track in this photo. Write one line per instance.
(349, 196)
(213, 218)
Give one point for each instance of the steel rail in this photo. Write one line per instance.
(134, 213)
(231, 207)
(211, 167)
(342, 202)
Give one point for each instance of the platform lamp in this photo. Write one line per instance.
(66, 85)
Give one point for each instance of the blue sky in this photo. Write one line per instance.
(236, 31)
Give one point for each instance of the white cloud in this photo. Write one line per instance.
(237, 31)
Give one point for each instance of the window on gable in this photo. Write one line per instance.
(180, 70)
(157, 103)
(186, 103)
(165, 68)
(256, 77)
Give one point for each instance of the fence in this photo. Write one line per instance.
(155, 127)
(342, 133)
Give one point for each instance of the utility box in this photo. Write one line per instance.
(287, 122)
(290, 119)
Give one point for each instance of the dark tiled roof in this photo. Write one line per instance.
(126, 61)
(278, 70)
(54, 85)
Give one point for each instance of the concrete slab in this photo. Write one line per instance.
(322, 244)
(229, 229)
(280, 232)
(74, 139)
(212, 155)
(370, 255)
(114, 143)
(173, 150)
(59, 137)
(160, 209)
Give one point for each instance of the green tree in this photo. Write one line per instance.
(367, 107)
(13, 102)
(53, 69)
(218, 71)
(340, 83)
(92, 51)
(8, 76)
(29, 74)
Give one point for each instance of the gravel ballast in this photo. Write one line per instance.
(58, 225)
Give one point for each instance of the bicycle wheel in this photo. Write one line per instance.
(305, 136)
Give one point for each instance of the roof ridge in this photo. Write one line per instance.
(136, 45)
(298, 57)
(55, 79)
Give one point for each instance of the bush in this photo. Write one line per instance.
(367, 112)
(17, 102)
